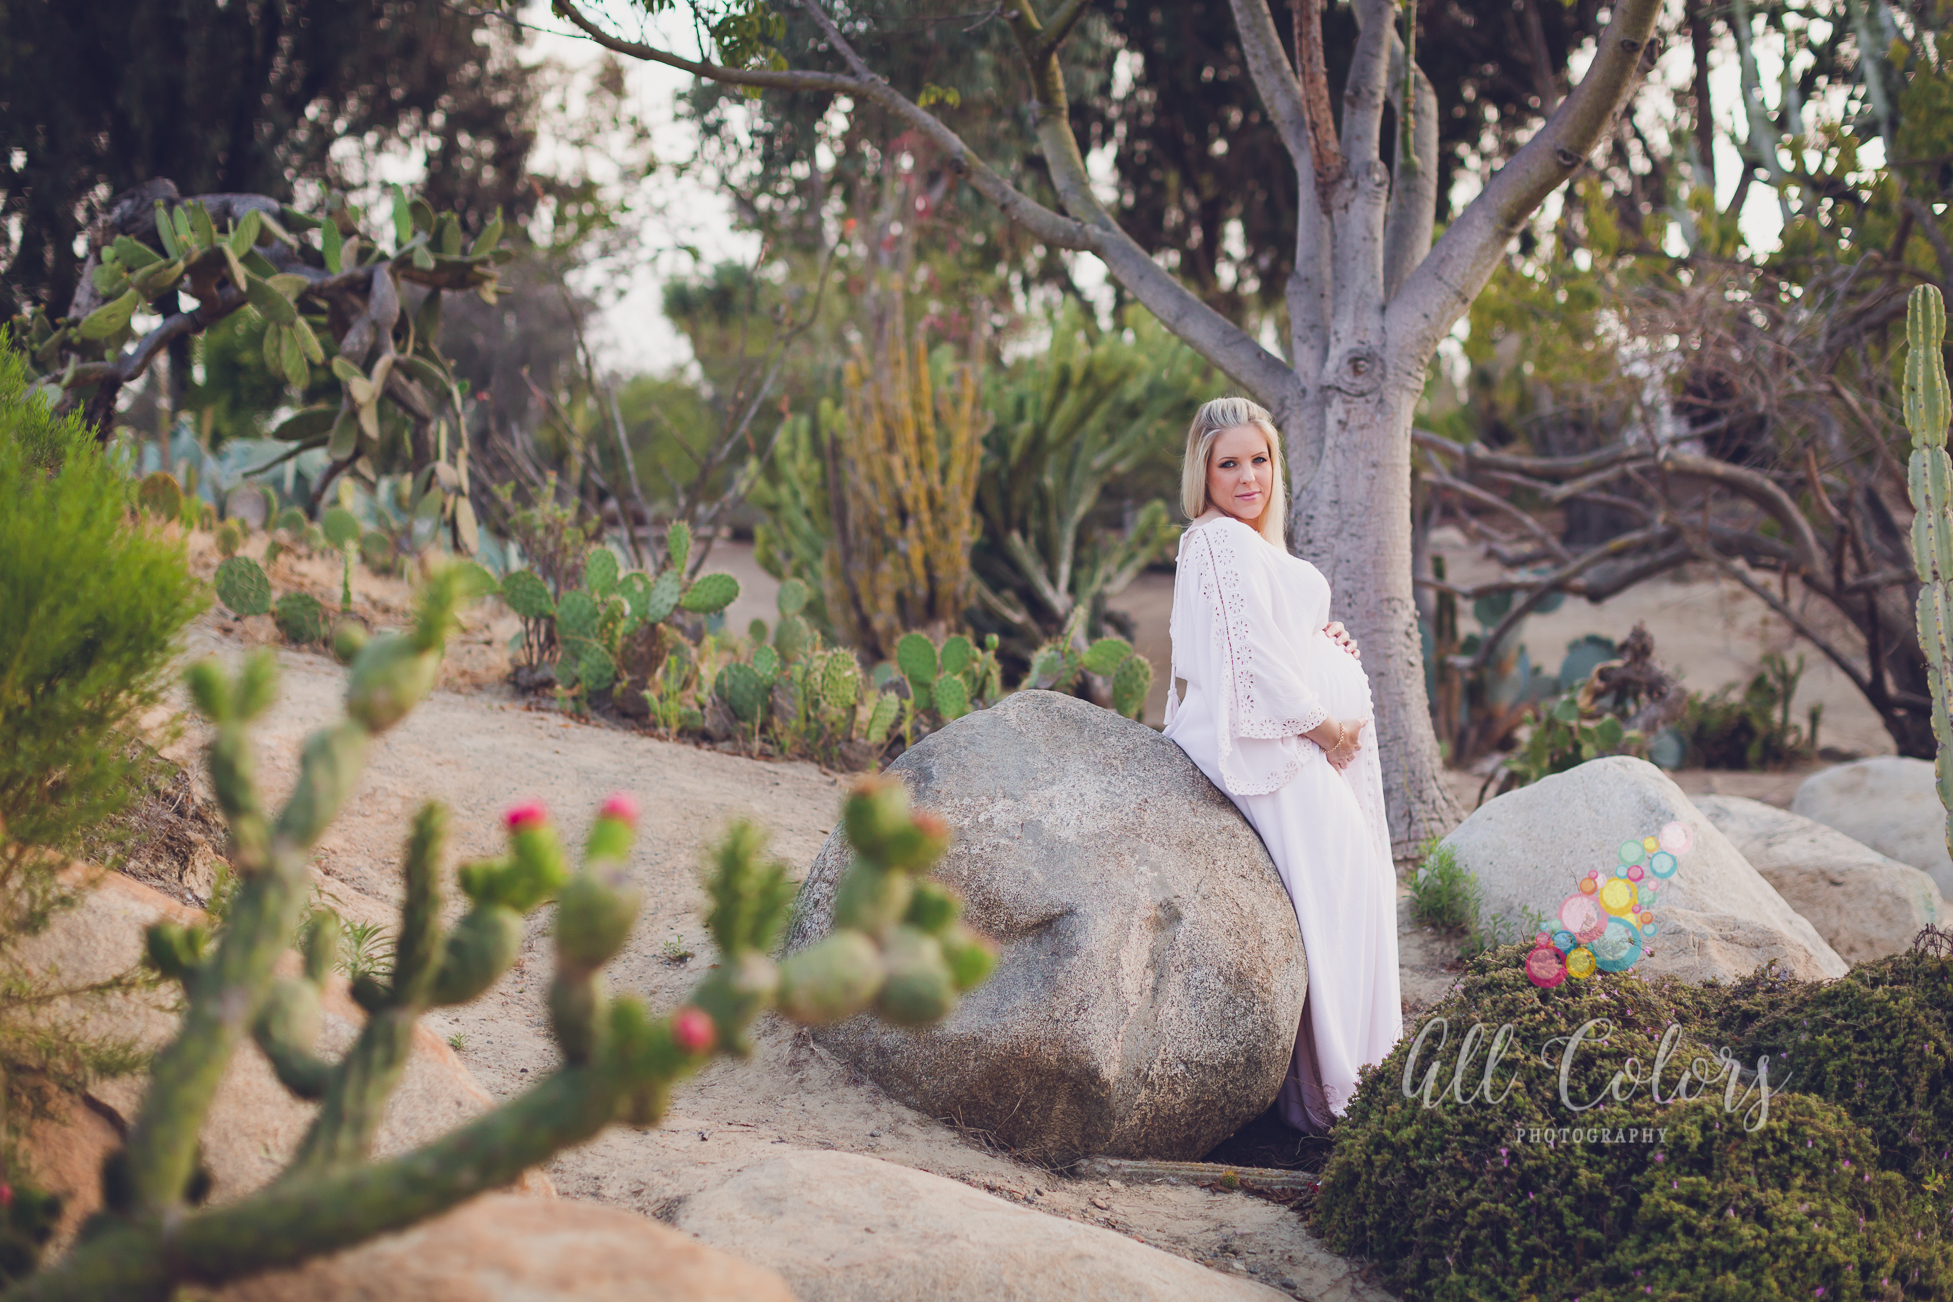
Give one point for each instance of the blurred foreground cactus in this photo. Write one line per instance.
(898, 948)
(1928, 408)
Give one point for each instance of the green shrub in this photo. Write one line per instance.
(1455, 1204)
(1444, 893)
(90, 613)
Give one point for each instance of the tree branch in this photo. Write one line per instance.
(1324, 149)
(1442, 287)
(1052, 37)
(1414, 182)
(1281, 93)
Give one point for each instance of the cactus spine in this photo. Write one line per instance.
(1928, 407)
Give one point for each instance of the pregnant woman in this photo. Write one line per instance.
(1275, 712)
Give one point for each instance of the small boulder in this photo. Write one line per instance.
(1718, 917)
(1151, 975)
(500, 1248)
(1864, 905)
(1889, 803)
(840, 1227)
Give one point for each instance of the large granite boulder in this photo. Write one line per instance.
(1151, 976)
(1718, 917)
(840, 1227)
(1888, 802)
(1863, 904)
(504, 1249)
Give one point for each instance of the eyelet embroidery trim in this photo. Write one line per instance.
(1247, 717)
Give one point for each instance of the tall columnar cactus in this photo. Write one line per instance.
(898, 948)
(1928, 408)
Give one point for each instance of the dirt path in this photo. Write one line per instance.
(480, 751)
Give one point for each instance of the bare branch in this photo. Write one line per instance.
(1051, 37)
(1281, 93)
(1443, 286)
(1324, 149)
(1364, 87)
(1546, 584)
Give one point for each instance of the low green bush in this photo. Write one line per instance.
(1822, 1196)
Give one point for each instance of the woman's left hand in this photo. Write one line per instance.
(1341, 637)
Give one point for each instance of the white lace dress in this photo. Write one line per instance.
(1247, 638)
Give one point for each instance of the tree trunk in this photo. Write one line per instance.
(1351, 517)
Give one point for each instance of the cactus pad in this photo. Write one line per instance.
(243, 587)
(1130, 684)
(952, 697)
(292, 521)
(840, 681)
(161, 496)
(710, 594)
(595, 670)
(527, 595)
(957, 654)
(1105, 655)
(661, 598)
(766, 663)
(376, 551)
(300, 618)
(341, 526)
(635, 589)
(600, 572)
(577, 615)
(792, 599)
(678, 545)
(915, 656)
(229, 538)
(741, 689)
(790, 636)
(888, 707)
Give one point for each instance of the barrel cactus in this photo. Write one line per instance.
(1928, 408)
(899, 949)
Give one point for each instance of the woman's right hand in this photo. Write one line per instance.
(1340, 740)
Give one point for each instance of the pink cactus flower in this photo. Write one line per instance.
(529, 813)
(621, 806)
(692, 1030)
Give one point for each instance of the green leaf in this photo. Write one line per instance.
(490, 236)
(276, 307)
(200, 224)
(110, 318)
(245, 237)
(1105, 655)
(710, 594)
(527, 595)
(345, 434)
(294, 357)
(134, 254)
(306, 424)
(166, 231)
(334, 244)
(403, 219)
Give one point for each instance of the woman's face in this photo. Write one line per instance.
(1240, 473)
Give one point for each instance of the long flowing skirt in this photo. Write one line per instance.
(1324, 830)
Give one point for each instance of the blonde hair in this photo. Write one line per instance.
(1229, 413)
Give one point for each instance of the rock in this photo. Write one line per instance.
(1863, 904)
(845, 1228)
(1718, 917)
(1889, 803)
(1151, 976)
(504, 1249)
(66, 1150)
(254, 1124)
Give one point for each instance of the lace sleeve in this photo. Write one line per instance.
(1248, 666)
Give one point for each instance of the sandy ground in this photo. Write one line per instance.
(478, 747)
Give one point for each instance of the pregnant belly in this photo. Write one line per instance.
(1339, 679)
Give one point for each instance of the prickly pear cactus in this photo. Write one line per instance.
(887, 709)
(678, 545)
(1928, 407)
(229, 538)
(710, 594)
(1131, 682)
(242, 586)
(915, 656)
(1105, 656)
(743, 691)
(792, 598)
(527, 595)
(160, 495)
(341, 527)
(300, 618)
